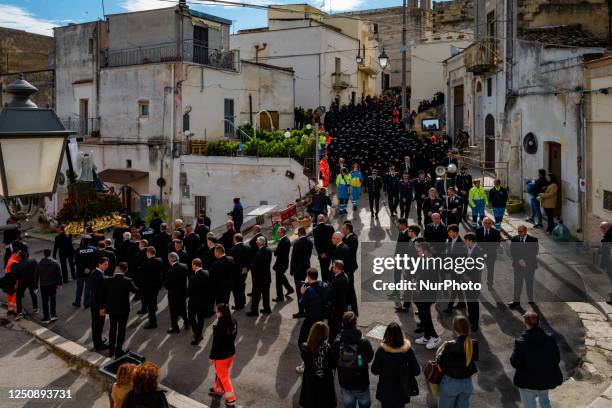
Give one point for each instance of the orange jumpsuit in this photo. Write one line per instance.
(11, 301)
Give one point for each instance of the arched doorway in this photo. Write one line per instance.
(489, 145)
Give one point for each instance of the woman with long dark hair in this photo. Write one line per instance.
(458, 360)
(318, 379)
(222, 354)
(393, 355)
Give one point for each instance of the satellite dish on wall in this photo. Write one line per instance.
(530, 143)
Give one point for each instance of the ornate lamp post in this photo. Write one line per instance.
(32, 145)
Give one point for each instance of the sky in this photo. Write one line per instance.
(40, 16)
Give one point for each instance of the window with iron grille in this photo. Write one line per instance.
(200, 205)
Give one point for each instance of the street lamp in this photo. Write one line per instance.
(383, 59)
(359, 59)
(32, 145)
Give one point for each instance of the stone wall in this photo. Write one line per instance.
(32, 55)
(592, 15)
(454, 15)
(21, 51)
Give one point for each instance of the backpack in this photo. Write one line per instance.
(348, 355)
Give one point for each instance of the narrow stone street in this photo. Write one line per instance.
(267, 350)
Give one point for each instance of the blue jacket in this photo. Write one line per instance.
(314, 299)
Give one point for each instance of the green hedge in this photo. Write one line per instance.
(268, 144)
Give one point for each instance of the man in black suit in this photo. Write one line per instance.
(524, 250)
(452, 207)
(202, 229)
(436, 232)
(400, 248)
(104, 253)
(151, 270)
(191, 242)
(27, 280)
(179, 249)
(162, 241)
(175, 282)
(201, 299)
(227, 239)
(281, 265)
(407, 167)
(97, 300)
(222, 273)
(300, 263)
(350, 239)
(262, 278)
(127, 248)
(463, 184)
(338, 297)
(472, 250)
(431, 205)
(207, 251)
(322, 233)
(117, 306)
(63, 245)
(343, 253)
(454, 248)
(243, 257)
(489, 238)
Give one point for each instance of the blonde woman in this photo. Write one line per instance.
(458, 360)
(122, 384)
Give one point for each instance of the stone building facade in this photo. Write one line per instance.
(31, 55)
(423, 23)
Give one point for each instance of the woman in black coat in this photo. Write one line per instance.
(394, 353)
(318, 379)
(222, 354)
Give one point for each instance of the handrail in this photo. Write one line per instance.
(237, 129)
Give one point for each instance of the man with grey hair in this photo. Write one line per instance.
(178, 226)
(262, 278)
(175, 282)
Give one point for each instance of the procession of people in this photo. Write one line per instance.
(204, 274)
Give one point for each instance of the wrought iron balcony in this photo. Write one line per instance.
(481, 57)
(172, 52)
(340, 80)
(84, 127)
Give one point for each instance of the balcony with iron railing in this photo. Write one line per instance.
(370, 65)
(172, 52)
(340, 80)
(83, 127)
(481, 57)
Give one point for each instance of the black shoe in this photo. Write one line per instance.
(150, 326)
(538, 226)
(532, 303)
(121, 353)
(142, 311)
(401, 309)
(250, 294)
(173, 331)
(102, 347)
(252, 313)
(298, 315)
(237, 307)
(76, 304)
(213, 394)
(513, 305)
(111, 353)
(266, 311)
(419, 330)
(196, 341)
(278, 299)
(448, 310)
(290, 291)
(460, 305)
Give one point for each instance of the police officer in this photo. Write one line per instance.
(86, 257)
